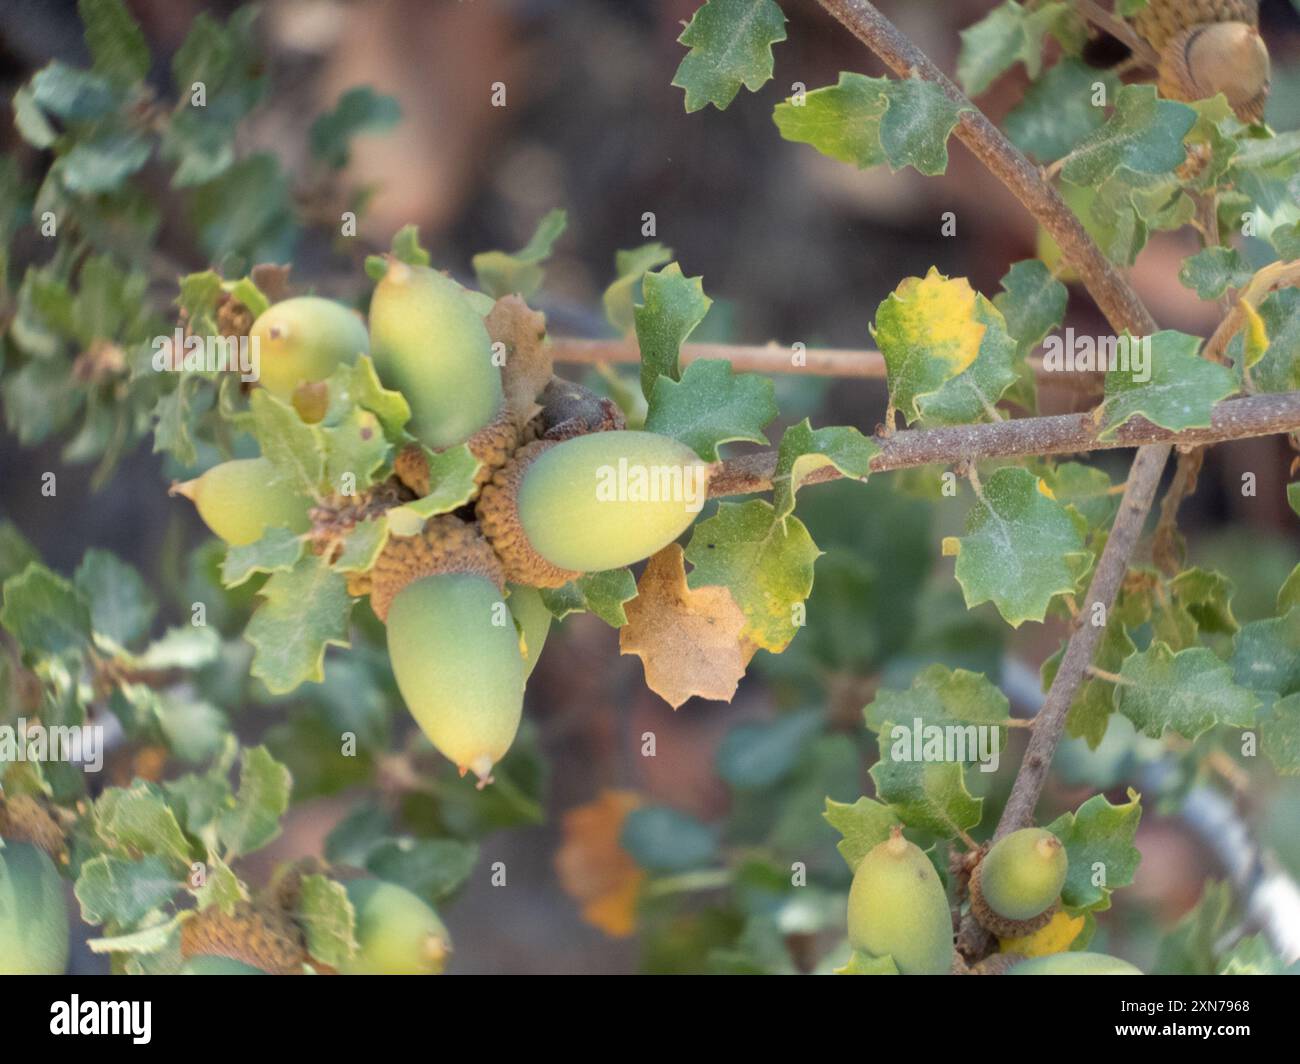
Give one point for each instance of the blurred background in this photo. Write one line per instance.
(792, 247)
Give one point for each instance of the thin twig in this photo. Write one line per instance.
(1143, 479)
(1165, 549)
(1109, 677)
(775, 358)
(1232, 419)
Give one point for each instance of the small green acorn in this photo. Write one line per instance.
(429, 342)
(239, 500)
(591, 503)
(1016, 888)
(898, 907)
(398, 933)
(205, 964)
(305, 339)
(452, 641)
(1074, 964)
(33, 918)
(461, 676)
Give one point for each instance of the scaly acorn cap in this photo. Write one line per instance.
(253, 935)
(25, 819)
(998, 924)
(498, 517)
(446, 545)
(492, 445)
(335, 516)
(1222, 57)
(1163, 20)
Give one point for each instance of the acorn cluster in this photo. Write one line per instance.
(465, 620)
(397, 933)
(899, 908)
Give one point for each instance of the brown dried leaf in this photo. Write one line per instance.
(528, 356)
(688, 639)
(594, 869)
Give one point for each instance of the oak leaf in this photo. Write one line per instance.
(688, 639)
(528, 364)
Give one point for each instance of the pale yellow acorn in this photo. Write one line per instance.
(1207, 47)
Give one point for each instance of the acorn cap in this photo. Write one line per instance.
(498, 516)
(1162, 20)
(251, 934)
(446, 545)
(998, 924)
(25, 819)
(1223, 57)
(492, 445)
(335, 516)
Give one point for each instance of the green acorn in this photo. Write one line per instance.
(241, 499)
(452, 641)
(398, 933)
(1016, 888)
(305, 339)
(33, 918)
(591, 503)
(898, 907)
(1074, 964)
(429, 342)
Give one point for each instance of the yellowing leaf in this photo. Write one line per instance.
(593, 867)
(689, 640)
(1055, 937)
(1256, 334)
(765, 562)
(928, 332)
